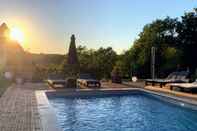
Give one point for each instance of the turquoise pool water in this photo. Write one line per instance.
(122, 113)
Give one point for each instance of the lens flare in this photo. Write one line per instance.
(17, 34)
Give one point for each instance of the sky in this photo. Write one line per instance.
(48, 24)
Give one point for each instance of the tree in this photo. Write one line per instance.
(125, 64)
(160, 34)
(105, 59)
(96, 62)
(187, 38)
(86, 59)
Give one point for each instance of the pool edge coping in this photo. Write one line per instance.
(47, 113)
(176, 100)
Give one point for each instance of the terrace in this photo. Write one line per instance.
(114, 77)
(22, 107)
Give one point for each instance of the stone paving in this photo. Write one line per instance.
(18, 105)
(123, 85)
(18, 108)
(166, 90)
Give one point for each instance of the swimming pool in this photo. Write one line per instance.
(136, 112)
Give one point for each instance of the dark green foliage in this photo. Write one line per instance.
(187, 38)
(46, 65)
(175, 40)
(160, 34)
(176, 44)
(125, 64)
(105, 59)
(97, 62)
(116, 74)
(4, 84)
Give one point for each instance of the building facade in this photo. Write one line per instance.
(13, 58)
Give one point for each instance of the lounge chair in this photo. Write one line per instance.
(86, 80)
(56, 83)
(185, 86)
(175, 77)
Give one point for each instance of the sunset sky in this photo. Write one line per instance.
(48, 24)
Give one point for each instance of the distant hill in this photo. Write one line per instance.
(46, 59)
(14, 59)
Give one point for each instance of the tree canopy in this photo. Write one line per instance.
(97, 62)
(175, 40)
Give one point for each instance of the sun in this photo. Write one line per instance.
(17, 35)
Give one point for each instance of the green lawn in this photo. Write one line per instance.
(4, 84)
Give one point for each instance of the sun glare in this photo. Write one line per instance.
(17, 34)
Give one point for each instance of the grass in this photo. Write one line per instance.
(4, 84)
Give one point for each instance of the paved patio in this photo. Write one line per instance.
(166, 90)
(18, 108)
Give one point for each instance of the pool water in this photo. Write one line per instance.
(122, 113)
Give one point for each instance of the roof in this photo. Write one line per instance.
(3, 29)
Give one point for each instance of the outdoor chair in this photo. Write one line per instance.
(56, 83)
(86, 80)
(192, 87)
(175, 77)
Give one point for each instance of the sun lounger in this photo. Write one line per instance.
(175, 77)
(184, 86)
(87, 80)
(56, 83)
